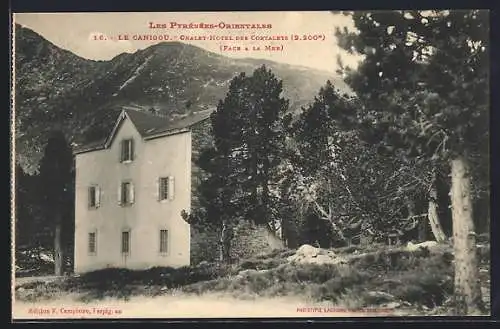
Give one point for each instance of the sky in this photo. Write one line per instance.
(77, 32)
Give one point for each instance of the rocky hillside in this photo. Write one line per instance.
(57, 89)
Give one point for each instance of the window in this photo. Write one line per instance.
(125, 242)
(163, 241)
(126, 194)
(166, 188)
(92, 243)
(94, 197)
(127, 150)
(163, 188)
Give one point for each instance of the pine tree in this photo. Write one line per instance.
(263, 140)
(22, 215)
(424, 81)
(241, 168)
(318, 141)
(219, 190)
(56, 179)
(347, 183)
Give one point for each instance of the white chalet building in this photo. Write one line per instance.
(130, 191)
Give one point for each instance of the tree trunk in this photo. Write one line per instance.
(421, 227)
(58, 252)
(467, 284)
(432, 212)
(410, 205)
(225, 242)
(288, 233)
(265, 203)
(221, 242)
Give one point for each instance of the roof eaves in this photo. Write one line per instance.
(123, 115)
(88, 149)
(147, 136)
(166, 133)
(173, 131)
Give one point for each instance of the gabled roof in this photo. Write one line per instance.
(149, 126)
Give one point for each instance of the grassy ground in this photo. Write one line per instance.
(376, 277)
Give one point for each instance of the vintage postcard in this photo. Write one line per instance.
(250, 164)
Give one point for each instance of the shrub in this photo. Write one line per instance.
(260, 264)
(202, 287)
(314, 273)
(287, 279)
(424, 288)
(354, 299)
(283, 289)
(260, 282)
(429, 284)
(337, 286)
(276, 254)
(37, 291)
(391, 260)
(122, 283)
(249, 264)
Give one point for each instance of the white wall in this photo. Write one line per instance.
(168, 156)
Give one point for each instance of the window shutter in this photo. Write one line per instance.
(157, 190)
(131, 193)
(97, 196)
(171, 187)
(120, 153)
(131, 149)
(89, 197)
(119, 193)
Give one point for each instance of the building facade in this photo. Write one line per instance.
(130, 191)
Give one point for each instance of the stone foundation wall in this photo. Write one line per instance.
(249, 240)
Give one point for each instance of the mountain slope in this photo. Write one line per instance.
(55, 89)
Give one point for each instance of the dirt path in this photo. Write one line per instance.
(185, 306)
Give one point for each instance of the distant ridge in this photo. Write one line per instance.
(56, 88)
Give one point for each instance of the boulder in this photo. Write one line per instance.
(311, 255)
(379, 297)
(307, 251)
(320, 259)
(427, 244)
